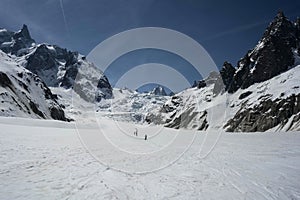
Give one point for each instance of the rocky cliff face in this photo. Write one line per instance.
(268, 114)
(52, 63)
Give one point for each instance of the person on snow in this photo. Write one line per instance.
(135, 132)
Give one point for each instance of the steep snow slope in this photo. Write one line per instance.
(274, 103)
(47, 161)
(24, 94)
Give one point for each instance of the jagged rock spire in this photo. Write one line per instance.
(273, 55)
(280, 15)
(23, 34)
(16, 41)
(227, 72)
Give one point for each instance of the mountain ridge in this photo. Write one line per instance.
(55, 67)
(259, 94)
(275, 54)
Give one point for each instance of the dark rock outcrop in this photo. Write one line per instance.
(186, 119)
(34, 108)
(245, 94)
(4, 80)
(105, 88)
(57, 113)
(199, 84)
(227, 72)
(265, 115)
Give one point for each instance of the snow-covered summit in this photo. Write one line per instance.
(56, 66)
(48, 66)
(159, 90)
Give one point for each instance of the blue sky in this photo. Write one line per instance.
(226, 29)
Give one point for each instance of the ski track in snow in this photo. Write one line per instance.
(47, 161)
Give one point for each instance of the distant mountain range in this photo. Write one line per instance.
(261, 93)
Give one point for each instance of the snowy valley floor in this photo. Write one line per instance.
(46, 160)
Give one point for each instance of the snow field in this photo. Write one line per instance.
(47, 161)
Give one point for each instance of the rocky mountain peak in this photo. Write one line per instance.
(59, 67)
(280, 27)
(23, 33)
(159, 90)
(56, 66)
(280, 15)
(274, 54)
(16, 42)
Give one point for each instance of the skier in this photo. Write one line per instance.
(145, 137)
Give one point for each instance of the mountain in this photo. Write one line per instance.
(275, 53)
(159, 90)
(24, 94)
(15, 42)
(260, 94)
(56, 66)
(47, 66)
